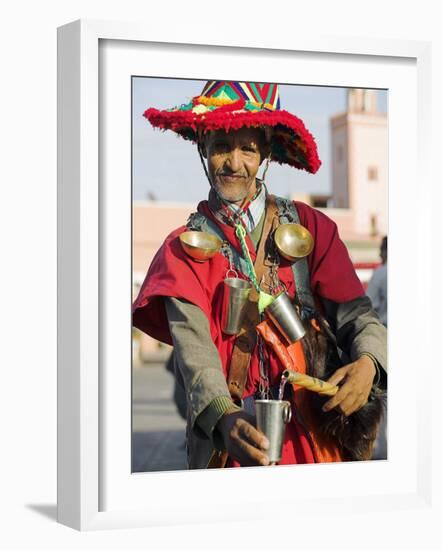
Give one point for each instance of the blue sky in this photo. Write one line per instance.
(169, 168)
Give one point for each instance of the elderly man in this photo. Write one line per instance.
(237, 128)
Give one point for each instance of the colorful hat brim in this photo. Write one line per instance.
(291, 144)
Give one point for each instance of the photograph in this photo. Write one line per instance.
(259, 274)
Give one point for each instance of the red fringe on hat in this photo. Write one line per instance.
(224, 118)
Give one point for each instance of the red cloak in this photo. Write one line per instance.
(173, 273)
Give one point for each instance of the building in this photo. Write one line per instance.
(359, 139)
(359, 175)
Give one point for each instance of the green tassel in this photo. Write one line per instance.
(241, 234)
(264, 301)
(264, 298)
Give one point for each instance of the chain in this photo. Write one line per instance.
(227, 253)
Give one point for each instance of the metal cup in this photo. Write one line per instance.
(282, 313)
(271, 418)
(235, 297)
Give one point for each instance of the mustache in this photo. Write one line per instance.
(230, 174)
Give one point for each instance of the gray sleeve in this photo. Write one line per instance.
(358, 330)
(196, 356)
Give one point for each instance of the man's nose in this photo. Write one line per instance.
(234, 159)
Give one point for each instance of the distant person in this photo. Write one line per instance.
(377, 292)
(377, 287)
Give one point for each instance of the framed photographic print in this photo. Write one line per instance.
(104, 169)
(350, 129)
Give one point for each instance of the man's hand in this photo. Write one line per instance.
(353, 394)
(242, 440)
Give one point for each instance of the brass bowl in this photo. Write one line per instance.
(293, 241)
(199, 245)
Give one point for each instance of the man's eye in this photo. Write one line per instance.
(249, 148)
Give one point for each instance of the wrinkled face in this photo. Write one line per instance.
(233, 160)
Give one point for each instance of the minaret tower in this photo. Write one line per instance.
(359, 140)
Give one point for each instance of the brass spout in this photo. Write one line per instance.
(309, 382)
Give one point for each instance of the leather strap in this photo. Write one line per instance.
(246, 339)
(288, 213)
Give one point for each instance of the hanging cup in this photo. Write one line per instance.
(271, 419)
(235, 296)
(282, 313)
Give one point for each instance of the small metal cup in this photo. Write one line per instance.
(235, 297)
(271, 418)
(282, 313)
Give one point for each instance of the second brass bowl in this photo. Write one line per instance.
(293, 241)
(199, 245)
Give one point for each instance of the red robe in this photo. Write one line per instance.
(173, 273)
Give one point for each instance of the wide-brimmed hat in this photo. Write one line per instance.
(233, 105)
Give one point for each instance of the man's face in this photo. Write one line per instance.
(233, 160)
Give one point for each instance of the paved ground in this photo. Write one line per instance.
(158, 430)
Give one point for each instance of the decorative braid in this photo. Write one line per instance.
(241, 233)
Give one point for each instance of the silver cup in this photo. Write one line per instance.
(235, 297)
(282, 313)
(271, 418)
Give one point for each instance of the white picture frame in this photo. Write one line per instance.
(95, 487)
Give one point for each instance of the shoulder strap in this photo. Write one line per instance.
(288, 213)
(199, 222)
